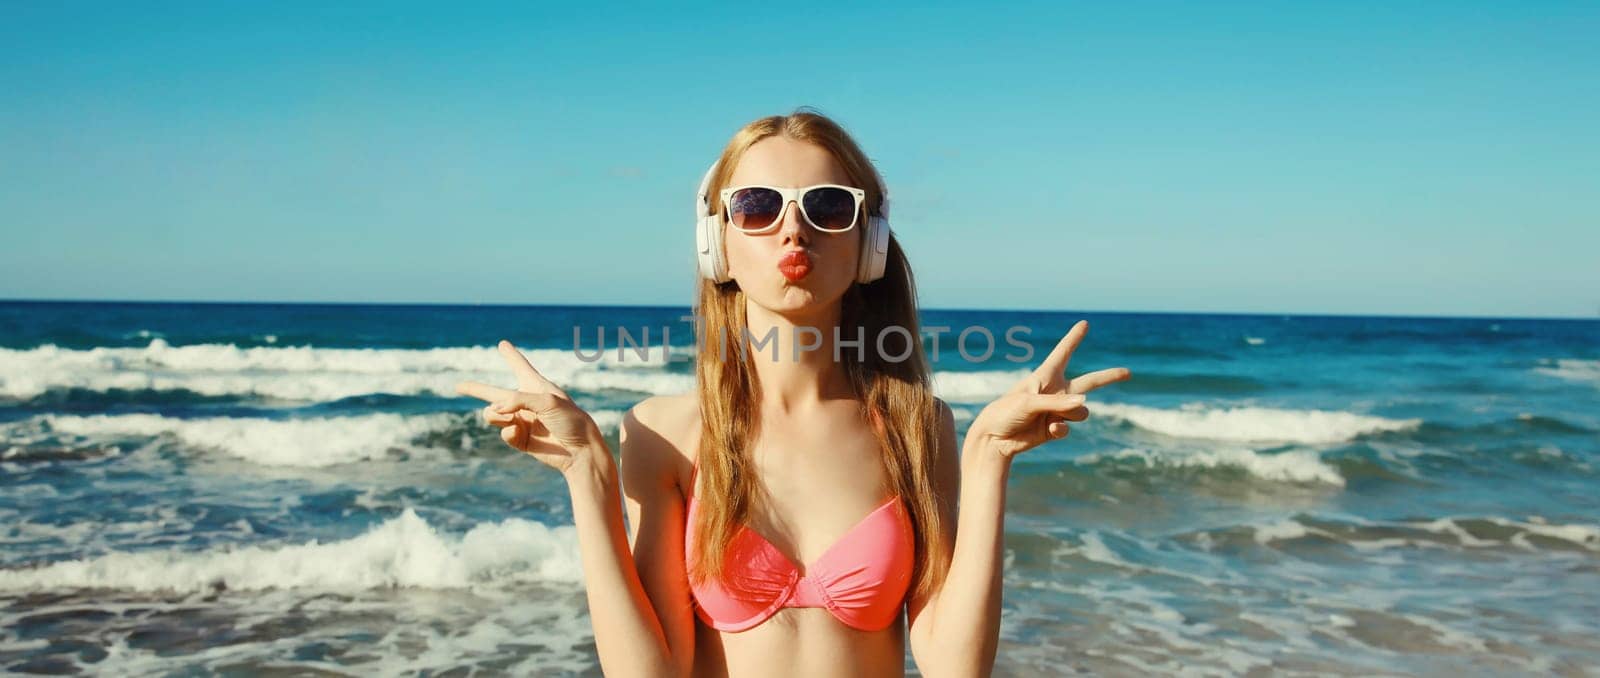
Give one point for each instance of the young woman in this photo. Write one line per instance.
(797, 515)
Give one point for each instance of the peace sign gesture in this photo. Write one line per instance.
(1039, 406)
(538, 418)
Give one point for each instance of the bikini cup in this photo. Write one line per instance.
(861, 578)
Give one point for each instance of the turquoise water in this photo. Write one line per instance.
(196, 488)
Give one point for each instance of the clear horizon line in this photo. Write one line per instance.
(685, 306)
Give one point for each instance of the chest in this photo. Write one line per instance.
(818, 478)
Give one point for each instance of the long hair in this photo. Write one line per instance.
(896, 395)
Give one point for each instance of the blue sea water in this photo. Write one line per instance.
(203, 488)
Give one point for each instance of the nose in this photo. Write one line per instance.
(792, 226)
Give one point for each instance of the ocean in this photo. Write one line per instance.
(195, 489)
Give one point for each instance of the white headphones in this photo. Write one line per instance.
(714, 262)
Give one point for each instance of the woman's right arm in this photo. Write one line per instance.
(638, 598)
(541, 420)
(656, 509)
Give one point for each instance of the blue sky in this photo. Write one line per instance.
(1384, 158)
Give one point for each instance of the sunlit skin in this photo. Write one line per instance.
(753, 258)
(813, 444)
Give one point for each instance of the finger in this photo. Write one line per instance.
(1059, 429)
(1029, 384)
(1056, 363)
(1085, 383)
(539, 403)
(495, 418)
(484, 392)
(531, 421)
(1077, 414)
(528, 378)
(511, 434)
(1056, 403)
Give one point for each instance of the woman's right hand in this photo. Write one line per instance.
(538, 418)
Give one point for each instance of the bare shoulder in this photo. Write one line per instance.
(659, 437)
(674, 417)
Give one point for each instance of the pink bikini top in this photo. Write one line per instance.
(862, 578)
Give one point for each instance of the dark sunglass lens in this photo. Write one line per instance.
(831, 209)
(753, 209)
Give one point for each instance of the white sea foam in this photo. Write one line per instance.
(273, 442)
(403, 552)
(1405, 533)
(1578, 534)
(303, 373)
(1573, 370)
(1253, 424)
(1445, 635)
(1587, 536)
(1094, 548)
(315, 442)
(1298, 466)
(975, 387)
(1450, 527)
(1284, 529)
(310, 374)
(534, 629)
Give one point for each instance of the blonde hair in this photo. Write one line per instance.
(896, 395)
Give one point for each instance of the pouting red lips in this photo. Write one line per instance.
(794, 265)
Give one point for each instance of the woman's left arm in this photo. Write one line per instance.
(955, 631)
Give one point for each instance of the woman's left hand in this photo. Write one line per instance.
(1039, 406)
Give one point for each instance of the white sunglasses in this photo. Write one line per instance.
(829, 208)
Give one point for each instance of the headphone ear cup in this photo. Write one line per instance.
(708, 233)
(708, 249)
(875, 251)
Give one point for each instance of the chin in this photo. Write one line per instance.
(801, 296)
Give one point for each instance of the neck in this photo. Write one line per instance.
(795, 379)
